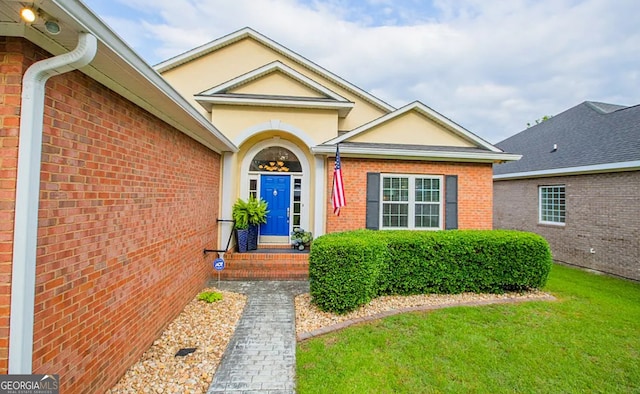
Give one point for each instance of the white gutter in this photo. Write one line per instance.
(25, 235)
(592, 169)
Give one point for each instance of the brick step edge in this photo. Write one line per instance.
(262, 275)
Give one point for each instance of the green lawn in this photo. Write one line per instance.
(587, 341)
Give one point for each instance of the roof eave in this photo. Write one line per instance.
(180, 114)
(397, 153)
(581, 170)
(208, 102)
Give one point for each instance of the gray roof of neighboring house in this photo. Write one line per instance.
(588, 134)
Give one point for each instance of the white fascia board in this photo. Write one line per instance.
(581, 170)
(91, 23)
(248, 32)
(267, 69)
(342, 107)
(428, 112)
(347, 151)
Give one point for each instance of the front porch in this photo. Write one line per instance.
(268, 262)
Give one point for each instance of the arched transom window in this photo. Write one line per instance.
(275, 159)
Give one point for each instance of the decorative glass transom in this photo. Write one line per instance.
(275, 159)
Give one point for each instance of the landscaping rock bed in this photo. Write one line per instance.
(205, 326)
(311, 321)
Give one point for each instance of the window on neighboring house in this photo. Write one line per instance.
(411, 201)
(552, 206)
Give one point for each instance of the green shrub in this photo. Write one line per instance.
(344, 269)
(349, 269)
(210, 296)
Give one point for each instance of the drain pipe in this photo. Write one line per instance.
(25, 233)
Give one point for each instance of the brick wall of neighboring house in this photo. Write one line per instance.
(601, 213)
(475, 191)
(127, 205)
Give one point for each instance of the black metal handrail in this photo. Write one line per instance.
(205, 251)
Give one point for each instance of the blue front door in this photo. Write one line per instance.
(275, 190)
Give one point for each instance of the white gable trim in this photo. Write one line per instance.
(209, 101)
(248, 32)
(268, 69)
(273, 124)
(426, 111)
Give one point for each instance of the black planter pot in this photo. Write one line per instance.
(252, 242)
(242, 237)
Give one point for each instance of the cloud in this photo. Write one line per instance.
(491, 66)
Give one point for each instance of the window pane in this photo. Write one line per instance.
(275, 159)
(395, 189)
(427, 190)
(552, 204)
(395, 215)
(427, 215)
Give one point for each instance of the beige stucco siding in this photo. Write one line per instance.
(311, 125)
(246, 55)
(411, 128)
(276, 83)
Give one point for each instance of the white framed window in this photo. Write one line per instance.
(552, 204)
(411, 202)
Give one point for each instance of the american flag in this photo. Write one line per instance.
(337, 195)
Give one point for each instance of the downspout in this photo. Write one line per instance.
(25, 234)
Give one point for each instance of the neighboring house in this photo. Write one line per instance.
(578, 185)
(113, 178)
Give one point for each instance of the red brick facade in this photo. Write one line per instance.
(475, 189)
(602, 216)
(127, 205)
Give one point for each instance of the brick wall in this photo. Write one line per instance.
(15, 57)
(602, 212)
(475, 190)
(127, 204)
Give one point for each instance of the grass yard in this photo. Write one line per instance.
(587, 341)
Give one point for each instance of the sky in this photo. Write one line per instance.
(492, 66)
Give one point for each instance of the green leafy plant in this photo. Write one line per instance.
(256, 211)
(210, 296)
(240, 214)
(300, 238)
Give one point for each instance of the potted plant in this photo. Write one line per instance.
(257, 215)
(240, 214)
(300, 238)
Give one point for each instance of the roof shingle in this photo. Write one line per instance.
(588, 134)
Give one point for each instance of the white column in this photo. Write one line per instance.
(227, 197)
(320, 202)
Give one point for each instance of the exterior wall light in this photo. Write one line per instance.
(28, 14)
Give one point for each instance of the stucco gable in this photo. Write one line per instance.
(411, 128)
(415, 124)
(248, 48)
(275, 85)
(275, 79)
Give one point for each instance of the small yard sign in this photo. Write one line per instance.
(218, 264)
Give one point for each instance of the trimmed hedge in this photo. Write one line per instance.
(349, 269)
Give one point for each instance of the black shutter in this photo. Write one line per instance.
(451, 202)
(373, 200)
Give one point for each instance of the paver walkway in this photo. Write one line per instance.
(261, 356)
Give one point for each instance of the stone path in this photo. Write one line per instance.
(261, 356)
